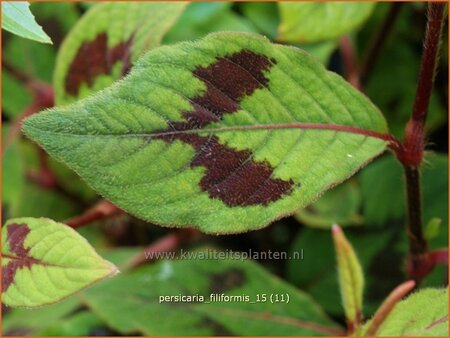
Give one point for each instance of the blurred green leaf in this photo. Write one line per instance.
(32, 58)
(63, 14)
(339, 205)
(264, 15)
(140, 310)
(18, 19)
(383, 190)
(78, 324)
(117, 33)
(30, 322)
(201, 18)
(13, 169)
(15, 97)
(432, 228)
(318, 21)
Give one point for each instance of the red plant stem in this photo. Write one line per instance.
(414, 132)
(439, 256)
(45, 177)
(411, 154)
(165, 244)
(376, 44)
(388, 305)
(103, 209)
(350, 62)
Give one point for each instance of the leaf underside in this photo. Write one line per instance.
(225, 134)
(44, 262)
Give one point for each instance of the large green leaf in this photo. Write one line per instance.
(106, 42)
(141, 309)
(44, 262)
(424, 313)
(226, 134)
(18, 19)
(316, 21)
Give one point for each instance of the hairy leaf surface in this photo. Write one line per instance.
(106, 42)
(18, 19)
(424, 313)
(140, 308)
(317, 21)
(44, 262)
(226, 134)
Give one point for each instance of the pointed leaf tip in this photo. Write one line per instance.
(351, 279)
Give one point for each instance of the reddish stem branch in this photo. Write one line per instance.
(165, 244)
(376, 44)
(44, 177)
(388, 305)
(350, 62)
(439, 256)
(103, 209)
(411, 153)
(414, 132)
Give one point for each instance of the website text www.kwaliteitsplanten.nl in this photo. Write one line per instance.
(228, 254)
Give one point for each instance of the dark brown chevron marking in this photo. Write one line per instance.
(232, 175)
(19, 257)
(94, 58)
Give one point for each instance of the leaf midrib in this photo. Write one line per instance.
(295, 125)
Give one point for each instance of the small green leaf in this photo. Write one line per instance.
(424, 313)
(44, 262)
(233, 298)
(351, 278)
(317, 21)
(18, 19)
(105, 43)
(316, 274)
(432, 228)
(231, 127)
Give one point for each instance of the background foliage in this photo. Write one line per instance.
(370, 205)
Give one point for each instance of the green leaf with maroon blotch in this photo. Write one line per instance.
(44, 262)
(225, 134)
(105, 43)
(317, 21)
